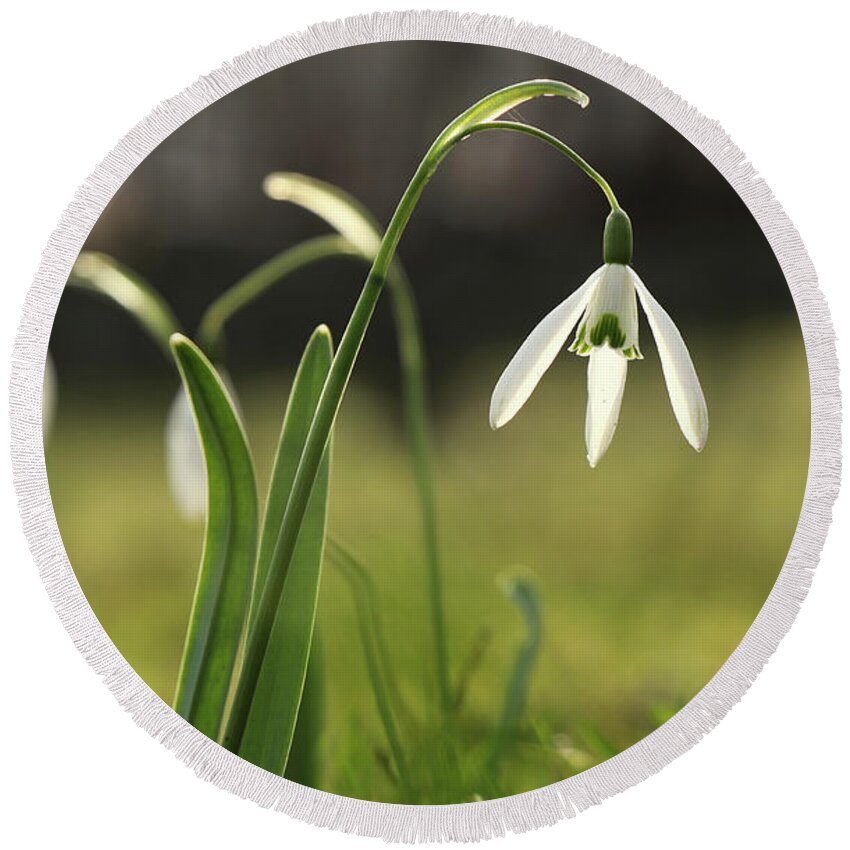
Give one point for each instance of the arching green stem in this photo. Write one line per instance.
(485, 110)
(417, 423)
(566, 150)
(262, 278)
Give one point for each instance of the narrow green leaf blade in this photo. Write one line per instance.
(274, 706)
(303, 398)
(304, 764)
(223, 590)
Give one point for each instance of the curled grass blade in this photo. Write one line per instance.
(223, 589)
(104, 275)
(524, 595)
(267, 701)
(368, 595)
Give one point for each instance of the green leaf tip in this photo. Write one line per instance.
(566, 90)
(499, 102)
(178, 340)
(323, 332)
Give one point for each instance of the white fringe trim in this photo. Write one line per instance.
(468, 821)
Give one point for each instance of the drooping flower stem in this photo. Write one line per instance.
(618, 239)
(555, 142)
(485, 110)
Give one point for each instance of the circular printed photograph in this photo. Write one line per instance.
(426, 422)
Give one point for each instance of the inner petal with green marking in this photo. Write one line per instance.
(607, 328)
(611, 315)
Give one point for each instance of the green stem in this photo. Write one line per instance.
(415, 398)
(343, 363)
(256, 282)
(555, 142)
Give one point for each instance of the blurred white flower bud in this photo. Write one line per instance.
(187, 474)
(49, 393)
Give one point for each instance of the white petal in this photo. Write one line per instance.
(536, 354)
(187, 474)
(683, 385)
(48, 397)
(606, 380)
(184, 457)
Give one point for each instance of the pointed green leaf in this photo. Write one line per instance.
(271, 712)
(223, 590)
(303, 398)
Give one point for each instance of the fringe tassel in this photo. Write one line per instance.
(467, 821)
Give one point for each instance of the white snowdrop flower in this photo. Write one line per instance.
(49, 393)
(184, 458)
(605, 310)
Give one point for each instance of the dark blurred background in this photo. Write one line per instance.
(506, 229)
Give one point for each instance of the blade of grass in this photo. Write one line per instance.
(264, 717)
(594, 741)
(356, 576)
(104, 275)
(472, 664)
(223, 589)
(523, 594)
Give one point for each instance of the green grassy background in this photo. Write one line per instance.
(650, 568)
